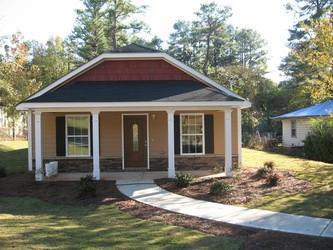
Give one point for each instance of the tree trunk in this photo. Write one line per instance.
(205, 66)
(13, 131)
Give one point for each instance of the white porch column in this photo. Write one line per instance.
(171, 144)
(227, 143)
(239, 133)
(39, 172)
(95, 131)
(29, 120)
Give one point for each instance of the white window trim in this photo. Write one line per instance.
(181, 133)
(89, 136)
(291, 129)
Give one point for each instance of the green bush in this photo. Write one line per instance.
(219, 187)
(87, 186)
(3, 172)
(268, 168)
(318, 145)
(272, 180)
(183, 180)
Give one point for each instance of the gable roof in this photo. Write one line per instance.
(133, 52)
(320, 109)
(134, 48)
(134, 91)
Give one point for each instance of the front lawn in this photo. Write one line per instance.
(14, 156)
(318, 201)
(31, 223)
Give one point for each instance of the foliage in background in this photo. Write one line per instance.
(308, 64)
(236, 58)
(18, 77)
(318, 144)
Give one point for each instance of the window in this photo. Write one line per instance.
(293, 128)
(192, 134)
(135, 129)
(78, 135)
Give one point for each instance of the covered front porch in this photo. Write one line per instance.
(132, 142)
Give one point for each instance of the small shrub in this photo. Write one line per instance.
(266, 169)
(3, 172)
(318, 145)
(87, 186)
(269, 165)
(219, 187)
(272, 180)
(183, 180)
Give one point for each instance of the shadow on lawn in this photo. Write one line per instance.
(35, 223)
(15, 161)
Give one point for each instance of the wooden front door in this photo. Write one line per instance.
(135, 141)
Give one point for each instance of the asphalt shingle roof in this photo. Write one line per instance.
(134, 91)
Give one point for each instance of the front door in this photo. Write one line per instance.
(135, 141)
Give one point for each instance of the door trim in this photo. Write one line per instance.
(122, 138)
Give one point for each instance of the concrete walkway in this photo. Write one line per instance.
(146, 191)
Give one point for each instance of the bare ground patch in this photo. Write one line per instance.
(246, 186)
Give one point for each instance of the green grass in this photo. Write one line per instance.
(316, 202)
(13, 156)
(31, 223)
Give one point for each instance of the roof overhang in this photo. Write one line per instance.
(134, 105)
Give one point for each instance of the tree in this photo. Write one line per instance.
(250, 50)
(89, 34)
(18, 77)
(120, 23)
(181, 43)
(53, 60)
(298, 69)
(307, 10)
(317, 56)
(104, 25)
(208, 27)
(154, 43)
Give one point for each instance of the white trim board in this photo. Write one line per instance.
(105, 105)
(181, 133)
(134, 56)
(122, 138)
(89, 135)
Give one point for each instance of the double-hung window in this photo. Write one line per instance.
(293, 128)
(192, 134)
(78, 135)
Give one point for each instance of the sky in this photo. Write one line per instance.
(43, 19)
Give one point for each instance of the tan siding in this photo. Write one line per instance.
(219, 133)
(158, 134)
(234, 125)
(110, 134)
(48, 135)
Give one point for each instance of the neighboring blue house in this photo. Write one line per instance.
(296, 124)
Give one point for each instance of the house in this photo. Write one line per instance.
(297, 124)
(134, 109)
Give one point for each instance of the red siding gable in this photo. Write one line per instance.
(127, 70)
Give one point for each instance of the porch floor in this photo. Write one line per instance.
(129, 175)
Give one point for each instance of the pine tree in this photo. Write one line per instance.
(89, 31)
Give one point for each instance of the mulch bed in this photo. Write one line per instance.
(246, 186)
(107, 193)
